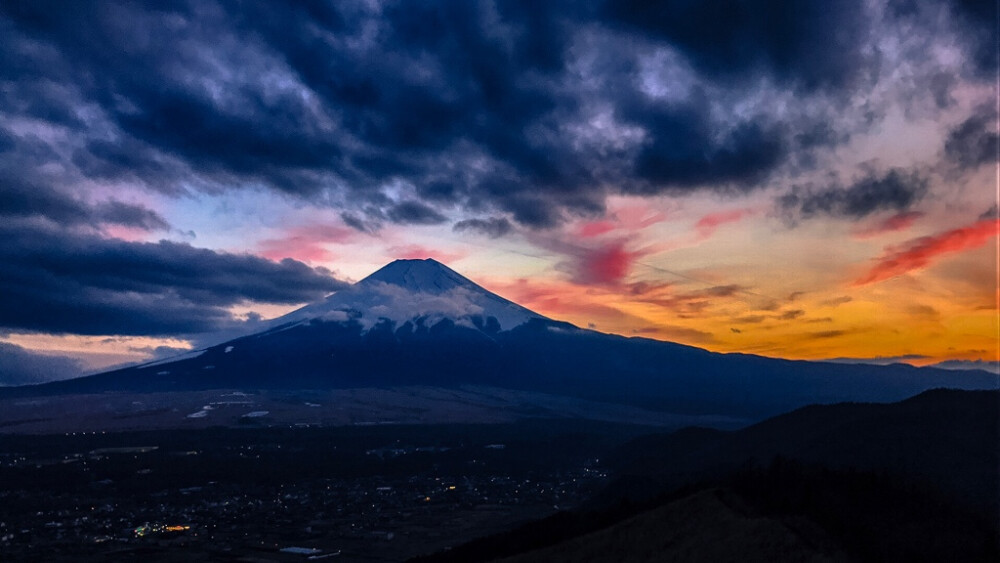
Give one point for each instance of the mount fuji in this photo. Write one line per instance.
(419, 324)
(419, 292)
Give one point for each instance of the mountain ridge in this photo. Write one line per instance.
(418, 322)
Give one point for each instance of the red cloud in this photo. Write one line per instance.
(707, 225)
(607, 265)
(898, 222)
(549, 297)
(922, 251)
(596, 228)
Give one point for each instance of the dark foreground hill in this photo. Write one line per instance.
(945, 437)
(783, 512)
(909, 481)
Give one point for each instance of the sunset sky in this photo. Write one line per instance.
(809, 180)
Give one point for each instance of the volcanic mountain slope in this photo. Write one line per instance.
(417, 322)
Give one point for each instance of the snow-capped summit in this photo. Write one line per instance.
(422, 276)
(405, 290)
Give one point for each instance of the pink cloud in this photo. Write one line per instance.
(922, 251)
(630, 219)
(596, 228)
(898, 222)
(638, 217)
(306, 243)
(707, 225)
(548, 297)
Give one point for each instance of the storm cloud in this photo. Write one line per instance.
(19, 366)
(85, 284)
(493, 227)
(896, 190)
(23, 199)
(403, 112)
(974, 142)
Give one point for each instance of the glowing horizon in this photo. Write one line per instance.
(171, 177)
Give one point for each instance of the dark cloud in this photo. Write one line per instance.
(414, 213)
(84, 284)
(823, 334)
(357, 223)
(919, 310)
(19, 366)
(837, 301)
(532, 211)
(791, 315)
(493, 227)
(750, 319)
(894, 191)
(683, 153)
(22, 198)
(126, 160)
(810, 45)
(974, 142)
(718, 291)
(695, 303)
(535, 111)
(118, 213)
(472, 104)
(978, 20)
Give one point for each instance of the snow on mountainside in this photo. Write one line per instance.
(405, 290)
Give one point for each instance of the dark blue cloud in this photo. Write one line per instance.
(974, 142)
(22, 198)
(682, 154)
(896, 190)
(493, 227)
(414, 213)
(19, 366)
(484, 106)
(54, 281)
(808, 45)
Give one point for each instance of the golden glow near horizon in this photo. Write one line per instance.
(734, 287)
(97, 352)
(787, 301)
